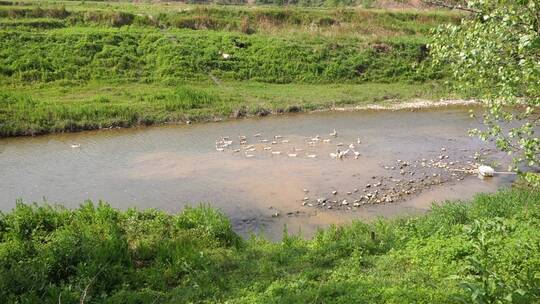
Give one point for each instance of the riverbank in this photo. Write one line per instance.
(52, 108)
(87, 65)
(461, 250)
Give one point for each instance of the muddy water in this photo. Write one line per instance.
(174, 166)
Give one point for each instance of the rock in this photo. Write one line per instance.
(344, 202)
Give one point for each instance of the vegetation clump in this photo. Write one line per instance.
(484, 251)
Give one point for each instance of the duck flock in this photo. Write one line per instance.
(402, 179)
(277, 145)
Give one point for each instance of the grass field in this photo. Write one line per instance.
(83, 65)
(484, 251)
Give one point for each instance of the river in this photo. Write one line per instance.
(170, 167)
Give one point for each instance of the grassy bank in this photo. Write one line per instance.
(33, 110)
(88, 65)
(484, 251)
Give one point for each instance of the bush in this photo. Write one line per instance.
(475, 252)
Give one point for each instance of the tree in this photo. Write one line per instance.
(494, 53)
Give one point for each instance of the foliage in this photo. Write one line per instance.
(495, 55)
(486, 251)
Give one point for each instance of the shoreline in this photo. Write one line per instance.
(416, 104)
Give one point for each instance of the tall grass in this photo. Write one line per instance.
(484, 251)
(185, 55)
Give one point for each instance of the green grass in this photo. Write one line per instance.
(73, 66)
(54, 107)
(484, 251)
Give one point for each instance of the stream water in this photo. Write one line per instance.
(170, 167)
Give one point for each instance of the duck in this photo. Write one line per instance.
(336, 155)
(326, 140)
(334, 134)
(267, 148)
(276, 152)
(311, 155)
(292, 154)
(316, 138)
(356, 154)
(351, 146)
(75, 146)
(358, 141)
(257, 135)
